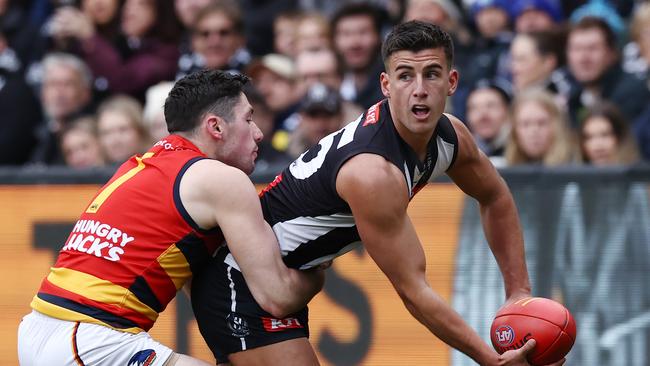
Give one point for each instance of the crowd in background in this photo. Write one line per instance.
(83, 82)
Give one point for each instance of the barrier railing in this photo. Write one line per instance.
(587, 234)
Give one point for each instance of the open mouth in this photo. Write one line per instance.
(420, 111)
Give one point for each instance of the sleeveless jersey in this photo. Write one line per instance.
(133, 247)
(312, 223)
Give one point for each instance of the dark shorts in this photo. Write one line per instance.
(228, 316)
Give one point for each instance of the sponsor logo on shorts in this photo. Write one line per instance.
(278, 325)
(237, 325)
(505, 335)
(142, 358)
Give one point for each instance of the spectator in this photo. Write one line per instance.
(536, 15)
(19, 108)
(122, 133)
(592, 59)
(71, 27)
(605, 138)
(641, 128)
(80, 144)
(19, 34)
(154, 114)
(284, 33)
(487, 57)
(492, 19)
(601, 9)
(275, 77)
(322, 66)
(320, 114)
(258, 27)
(217, 41)
(66, 94)
(146, 52)
(269, 159)
(534, 60)
(356, 30)
(187, 10)
(446, 14)
(313, 33)
(95, 17)
(488, 118)
(636, 54)
(540, 133)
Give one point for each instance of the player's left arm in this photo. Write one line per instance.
(476, 176)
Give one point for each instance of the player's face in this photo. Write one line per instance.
(417, 85)
(241, 137)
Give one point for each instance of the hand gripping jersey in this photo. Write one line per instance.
(312, 223)
(133, 247)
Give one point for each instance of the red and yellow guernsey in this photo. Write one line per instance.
(133, 247)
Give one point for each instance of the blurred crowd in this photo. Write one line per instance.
(547, 82)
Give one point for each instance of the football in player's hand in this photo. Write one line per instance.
(546, 321)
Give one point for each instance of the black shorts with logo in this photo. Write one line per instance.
(229, 318)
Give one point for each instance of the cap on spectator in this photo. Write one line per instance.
(500, 85)
(278, 64)
(479, 5)
(321, 99)
(600, 9)
(550, 7)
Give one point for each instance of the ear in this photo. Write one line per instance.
(384, 82)
(453, 81)
(214, 125)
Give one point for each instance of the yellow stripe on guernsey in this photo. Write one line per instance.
(98, 290)
(106, 192)
(174, 263)
(59, 312)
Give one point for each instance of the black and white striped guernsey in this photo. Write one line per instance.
(312, 223)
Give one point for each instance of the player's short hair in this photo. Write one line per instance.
(416, 36)
(205, 91)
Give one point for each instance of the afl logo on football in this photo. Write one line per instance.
(505, 335)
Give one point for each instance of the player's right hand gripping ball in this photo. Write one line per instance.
(545, 320)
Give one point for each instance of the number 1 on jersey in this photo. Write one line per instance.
(106, 192)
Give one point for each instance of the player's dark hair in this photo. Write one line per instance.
(205, 91)
(416, 36)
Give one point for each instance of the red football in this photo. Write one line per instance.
(546, 321)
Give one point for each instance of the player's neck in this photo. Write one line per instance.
(200, 142)
(419, 142)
